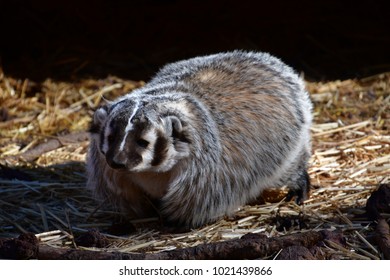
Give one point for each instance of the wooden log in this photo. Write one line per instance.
(378, 203)
(250, 246)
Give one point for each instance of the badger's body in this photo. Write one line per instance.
(202, 138)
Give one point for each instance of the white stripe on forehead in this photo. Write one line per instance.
(134, 96)
(130, 125)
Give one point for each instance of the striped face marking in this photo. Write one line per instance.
(129, 126)
(152, 143)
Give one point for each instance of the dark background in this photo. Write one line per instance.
(325, 40)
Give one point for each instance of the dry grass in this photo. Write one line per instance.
(351, 156)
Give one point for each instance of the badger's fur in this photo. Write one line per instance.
(203, 137)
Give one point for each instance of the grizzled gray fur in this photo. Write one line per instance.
(202, 138)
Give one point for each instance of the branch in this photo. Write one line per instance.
(53, 144)
(250, 246)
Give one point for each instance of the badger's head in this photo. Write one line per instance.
(134, 136)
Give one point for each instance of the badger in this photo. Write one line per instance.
(203, 137)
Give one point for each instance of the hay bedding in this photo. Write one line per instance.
(45, 194)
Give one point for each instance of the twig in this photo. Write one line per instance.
(53, 144)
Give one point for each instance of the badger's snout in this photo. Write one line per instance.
(115, 165)
(116, 161)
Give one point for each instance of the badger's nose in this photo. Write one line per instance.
(115, 163)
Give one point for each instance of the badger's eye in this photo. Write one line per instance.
(142, 143)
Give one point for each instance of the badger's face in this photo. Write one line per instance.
(134, 137)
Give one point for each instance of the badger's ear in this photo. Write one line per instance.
(99, 117)
(176, 125)
(173, 126)
(175, 129)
